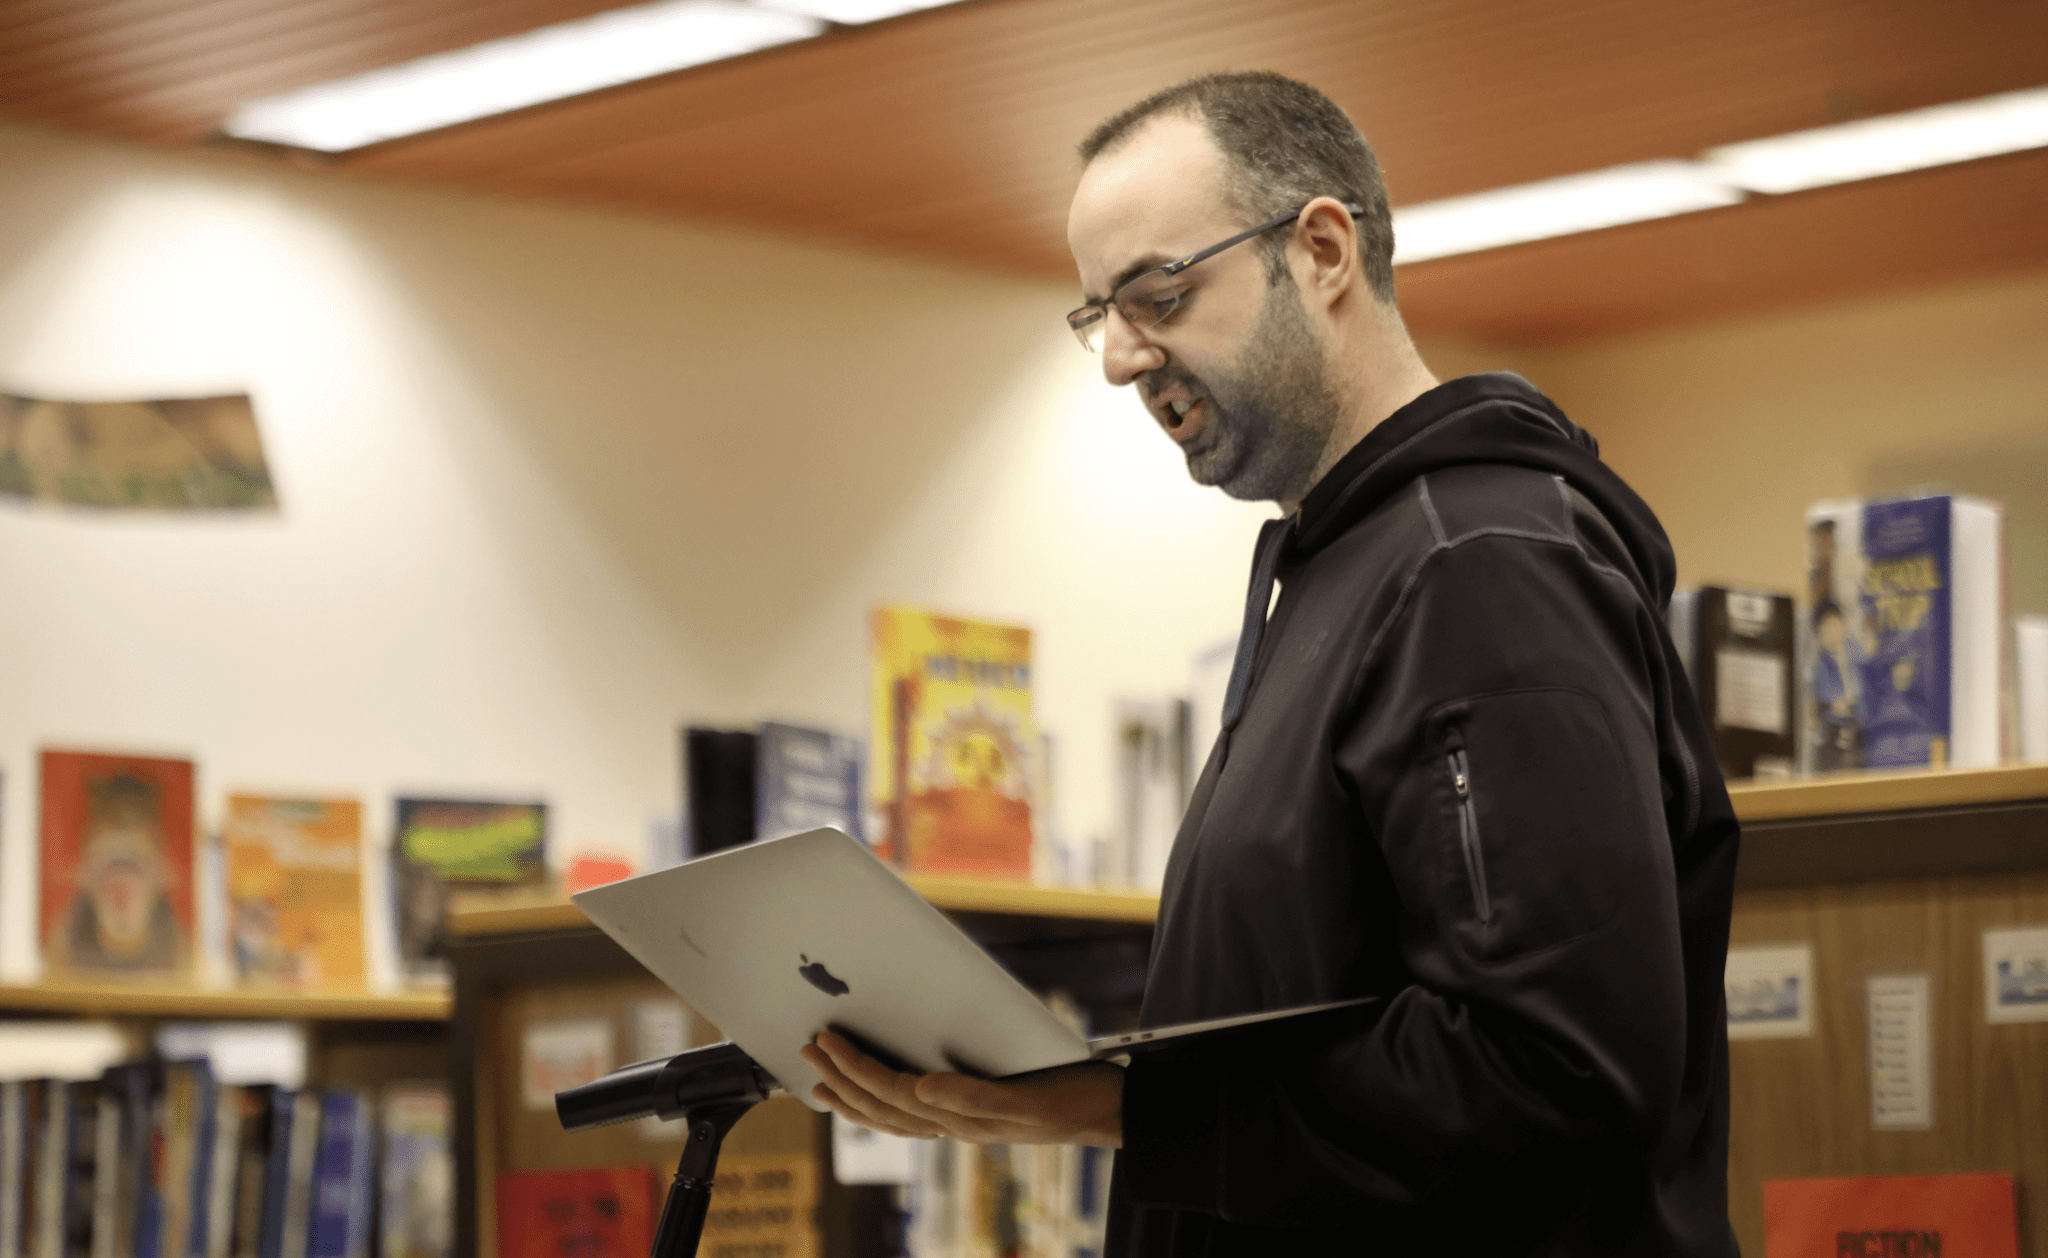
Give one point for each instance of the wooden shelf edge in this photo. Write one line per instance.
(959, 895)
(983, 895)
(172, 1000)
(1850, 793)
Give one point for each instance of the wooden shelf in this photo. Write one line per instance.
(470, 918)
(173, 1000)
(1768, 804)
(1846, 794)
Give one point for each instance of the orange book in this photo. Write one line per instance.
(951, 763)
(579, 1214)
(295, 890)
(116, 864)
(1897, 1216)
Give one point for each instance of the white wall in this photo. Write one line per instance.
(553, 483)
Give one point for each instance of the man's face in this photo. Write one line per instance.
(1236, 376)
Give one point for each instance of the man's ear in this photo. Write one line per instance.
(1327, 263)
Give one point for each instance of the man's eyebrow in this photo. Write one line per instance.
(1150, 262)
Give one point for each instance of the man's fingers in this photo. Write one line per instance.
(862, 1104)
(832, 1102)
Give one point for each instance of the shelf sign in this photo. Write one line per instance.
(1898, 1216)
(2016, 975)
(1901, 1066)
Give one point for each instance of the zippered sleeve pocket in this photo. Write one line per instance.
(1468, 835)
(1548, 827)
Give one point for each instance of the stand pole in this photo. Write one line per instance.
(689, 1197)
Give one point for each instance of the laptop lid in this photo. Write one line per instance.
(779, 940)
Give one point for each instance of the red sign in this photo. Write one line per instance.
(1904, 1216)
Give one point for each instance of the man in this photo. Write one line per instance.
(1460, 768)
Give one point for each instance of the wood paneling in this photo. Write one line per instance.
(949, 133)
(1801, 1107)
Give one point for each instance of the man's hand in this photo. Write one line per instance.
(1078, 1104)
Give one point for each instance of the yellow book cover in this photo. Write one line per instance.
(950, 762)
(295, 890)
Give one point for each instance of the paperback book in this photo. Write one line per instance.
(440, 845)
(950, 764)
(1738, 648)
(295, 890)
(1905, 666)
(116, 864)
(805, 778)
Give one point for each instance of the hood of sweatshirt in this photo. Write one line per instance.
(1494, 417)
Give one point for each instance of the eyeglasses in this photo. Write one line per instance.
(1145, 299)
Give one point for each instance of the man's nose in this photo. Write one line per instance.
(1126, 352)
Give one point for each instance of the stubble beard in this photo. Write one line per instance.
(1272, 412)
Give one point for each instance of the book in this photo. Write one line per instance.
(1904, 665)
(181, 1115)
(805, 778)
(215, 1235)
(90, 1128)
(294, 1205)
(950, 757)
(718, 788)
(337, 1229)
(14, 1165)
(1151, 789)
(2031, 637)
(417, 1204)
(1738, 647)
(116, 894)
(442, 844)
(294, 890)
(606, 1213)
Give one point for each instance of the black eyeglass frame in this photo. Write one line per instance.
(1082, 319)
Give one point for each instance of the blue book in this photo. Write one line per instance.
(335, 1175)
(804, 779)
(1905, 658)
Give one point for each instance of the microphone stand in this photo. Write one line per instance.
(710, 1088)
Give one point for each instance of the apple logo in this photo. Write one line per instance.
(818, 976)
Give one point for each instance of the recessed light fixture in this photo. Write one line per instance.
(566, 59)
(1865, 149)
(1555, 207)
(1887, 145)
(855, 12)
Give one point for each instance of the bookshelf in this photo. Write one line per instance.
(173, 1000)
(1874, 870)
(1777, 818)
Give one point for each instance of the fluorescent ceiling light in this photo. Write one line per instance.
(553, 62)
(855, 12)
(1870, 147)
(1556, 207)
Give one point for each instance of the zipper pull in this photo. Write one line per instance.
(1464, 787)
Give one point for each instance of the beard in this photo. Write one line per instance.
(1271, 413)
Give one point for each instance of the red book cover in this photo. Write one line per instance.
(116, 864)
(1899, 1216)
(606, 1213)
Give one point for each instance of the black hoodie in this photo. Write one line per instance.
(1461, 770)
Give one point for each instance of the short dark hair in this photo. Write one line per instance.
(1285, 144)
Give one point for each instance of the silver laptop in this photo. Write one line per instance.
(777, 941)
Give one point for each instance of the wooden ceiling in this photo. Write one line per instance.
(950, 133)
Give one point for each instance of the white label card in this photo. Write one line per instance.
(864, 1156)
(2016, 975)
(564, 1054)
(1770, 992)
(1901, 1066)
(1749, 690)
